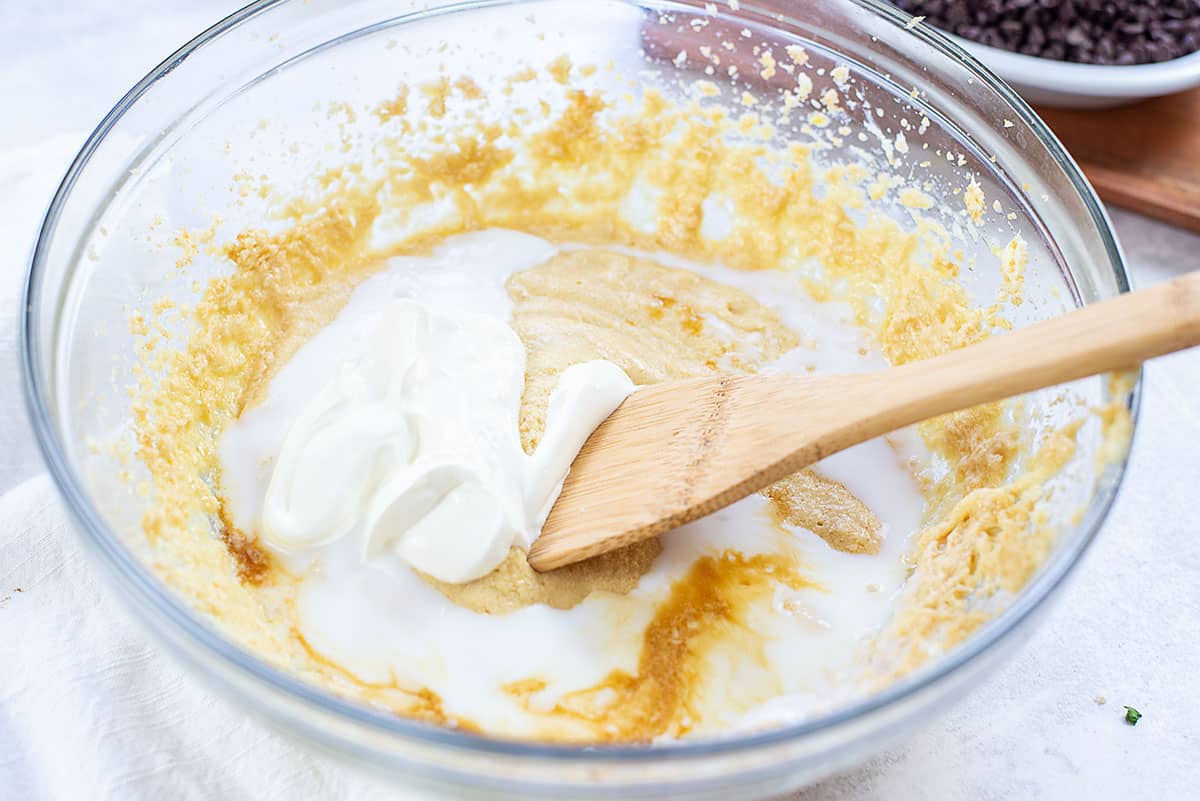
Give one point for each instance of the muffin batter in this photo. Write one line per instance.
(665, 240)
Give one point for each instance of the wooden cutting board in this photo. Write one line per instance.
(1144, 157)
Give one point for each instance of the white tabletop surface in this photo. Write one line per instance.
(1127, 628)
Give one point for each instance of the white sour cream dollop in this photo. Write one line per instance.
(406, 434)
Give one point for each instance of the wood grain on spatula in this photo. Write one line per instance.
(676, 451)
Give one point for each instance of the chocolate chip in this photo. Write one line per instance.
(1088, 31)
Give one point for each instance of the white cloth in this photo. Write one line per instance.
(90, 709)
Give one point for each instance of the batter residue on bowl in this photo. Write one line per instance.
(661, 239)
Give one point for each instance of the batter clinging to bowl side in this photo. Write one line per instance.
(377, 402)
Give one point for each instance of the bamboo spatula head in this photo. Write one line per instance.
(674, 452)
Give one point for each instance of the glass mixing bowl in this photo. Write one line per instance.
(158, 162)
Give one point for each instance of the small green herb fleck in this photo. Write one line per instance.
(1132, 716)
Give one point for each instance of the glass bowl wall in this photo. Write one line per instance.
(159, 162)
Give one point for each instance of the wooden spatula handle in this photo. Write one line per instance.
(1112, 335)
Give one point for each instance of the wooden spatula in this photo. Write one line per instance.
(677, 451)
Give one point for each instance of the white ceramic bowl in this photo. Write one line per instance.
(1062, 84)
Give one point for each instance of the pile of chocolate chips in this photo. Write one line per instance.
(1088, 31)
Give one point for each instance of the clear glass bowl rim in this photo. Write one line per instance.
(148, 589)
